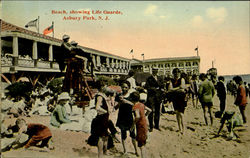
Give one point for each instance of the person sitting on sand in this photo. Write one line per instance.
(36, 133)
(7, 136)
(59, 115)
(232, 120)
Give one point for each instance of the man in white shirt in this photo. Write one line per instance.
(131, 79)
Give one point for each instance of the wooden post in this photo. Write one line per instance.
(15, 50)
(5, 78)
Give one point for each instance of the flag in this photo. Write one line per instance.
(48, 30)
(142, 54)
(32, 23)
(131, 51)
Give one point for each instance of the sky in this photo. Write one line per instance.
(157, 29)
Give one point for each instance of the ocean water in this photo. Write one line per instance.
(245, 78)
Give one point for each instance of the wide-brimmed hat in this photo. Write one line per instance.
(63, 96)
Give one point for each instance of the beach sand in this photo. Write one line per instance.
(198, 140)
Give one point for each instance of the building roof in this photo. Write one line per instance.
(139, 62)
(13, 28)
(8, 27)
(5, 26)
(172, 59)
(135, 61)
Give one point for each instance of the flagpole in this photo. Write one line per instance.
(132, 52)
(38, 25)
(53, 28)
(142, 57)
(142, 62)
(197, 51)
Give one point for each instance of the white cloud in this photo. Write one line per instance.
(217, 14)
(197, 21)
(151, 9)
(162, 16)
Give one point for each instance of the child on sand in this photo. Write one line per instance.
(232, 120)
(36, 132)
(140, 121)
(59, 116)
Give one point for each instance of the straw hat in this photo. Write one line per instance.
(64, 96)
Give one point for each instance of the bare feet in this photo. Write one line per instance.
(86, 71)
(137, 155)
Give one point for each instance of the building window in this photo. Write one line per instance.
(167, 65)
(188, 64)
(195, 64)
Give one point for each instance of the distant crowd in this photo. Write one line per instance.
(139, 108)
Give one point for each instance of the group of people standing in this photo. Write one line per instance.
(131, 115)
(175, 91)
(178, 89)
(132, 105)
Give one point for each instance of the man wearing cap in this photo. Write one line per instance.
(65, 58)
(154, 99)
(84, 56)
(65, 49)
(78, 65)
(78, 54)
